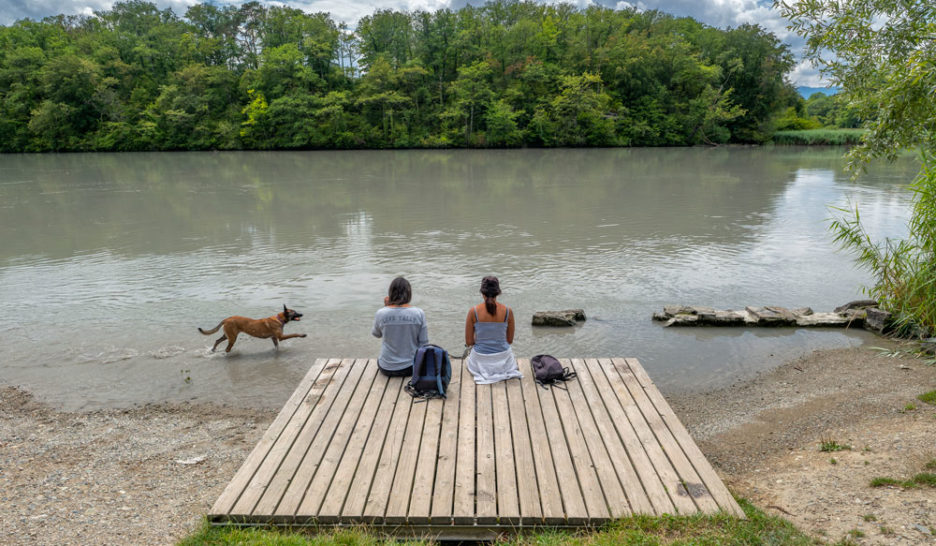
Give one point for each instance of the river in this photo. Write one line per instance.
(109, 262)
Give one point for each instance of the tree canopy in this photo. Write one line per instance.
(509, 73)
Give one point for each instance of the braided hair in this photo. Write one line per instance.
(490, 289)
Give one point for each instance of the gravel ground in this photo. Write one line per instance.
(140, 476)
(148, 475)
(764, 438)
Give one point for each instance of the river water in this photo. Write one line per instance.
(109, 262)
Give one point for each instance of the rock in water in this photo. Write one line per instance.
(877, 320)
(558, 318)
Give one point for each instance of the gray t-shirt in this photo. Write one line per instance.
(403, 330)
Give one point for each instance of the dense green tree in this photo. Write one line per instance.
(508, 73)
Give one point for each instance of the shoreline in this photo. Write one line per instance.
(149, 474)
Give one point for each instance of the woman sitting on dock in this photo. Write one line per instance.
(489, 330)
(403, 329)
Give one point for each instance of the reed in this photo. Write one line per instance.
(905, 270)
(816, 137)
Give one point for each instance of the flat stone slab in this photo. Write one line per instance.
(766, 316)
(823, 319)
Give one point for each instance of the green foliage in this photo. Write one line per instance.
(508, 73)
(877, 52)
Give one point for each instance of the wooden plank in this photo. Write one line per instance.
(355, 472)
(690, 485)
(611, 486)
(531, 512)
(588, 479)
(712, 482)
(617, 448)
(444, 490)
(551, 497)
(664, 468)
(463, 509)
(310, 388)
(421, 501)
(290, 483)
(402, 489)
(377, 498)
(303, 423)
(485, 479)
(573, 498)
(367, 393)
(616, 398)
(508, 504)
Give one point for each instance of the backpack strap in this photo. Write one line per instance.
(439, 369)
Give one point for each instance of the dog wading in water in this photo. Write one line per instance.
(271, 327)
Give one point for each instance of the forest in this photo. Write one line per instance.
(507, 74)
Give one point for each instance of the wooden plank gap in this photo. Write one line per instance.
(254, 460)
(632, 432)
(363, 402)
(308, 461)
(272, 478)
(343, 490)
(605, 417)
(714, 485)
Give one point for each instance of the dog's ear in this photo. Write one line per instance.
(284, 309)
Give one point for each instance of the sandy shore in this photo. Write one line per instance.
(148, 475)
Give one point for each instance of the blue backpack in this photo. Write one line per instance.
(432, 371)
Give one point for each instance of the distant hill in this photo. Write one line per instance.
(805, 92)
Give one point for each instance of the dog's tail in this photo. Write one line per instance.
(213, 330)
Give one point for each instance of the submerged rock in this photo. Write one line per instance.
(683, 319)
(567, 317)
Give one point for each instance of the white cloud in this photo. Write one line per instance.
(806, 75)
(14, 10)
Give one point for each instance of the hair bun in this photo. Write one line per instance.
(490, 287)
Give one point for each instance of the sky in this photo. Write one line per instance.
(717, 13)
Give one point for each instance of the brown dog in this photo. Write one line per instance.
(271, 327)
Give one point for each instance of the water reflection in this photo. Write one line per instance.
(123, 255)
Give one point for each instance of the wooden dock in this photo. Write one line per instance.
(351, 446)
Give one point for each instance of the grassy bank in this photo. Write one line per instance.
(818, 136)
(758, 528)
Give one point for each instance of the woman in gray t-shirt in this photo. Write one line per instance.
(403, 329)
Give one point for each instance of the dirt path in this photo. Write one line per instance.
(148, 475)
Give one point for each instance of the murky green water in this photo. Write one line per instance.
(109, 262)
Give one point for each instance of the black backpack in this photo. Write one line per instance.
(548, 371)
(432, 371)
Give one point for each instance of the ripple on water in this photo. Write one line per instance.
(108, 355)
(167, 352)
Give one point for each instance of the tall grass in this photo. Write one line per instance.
(904, 271)
(819, 136)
